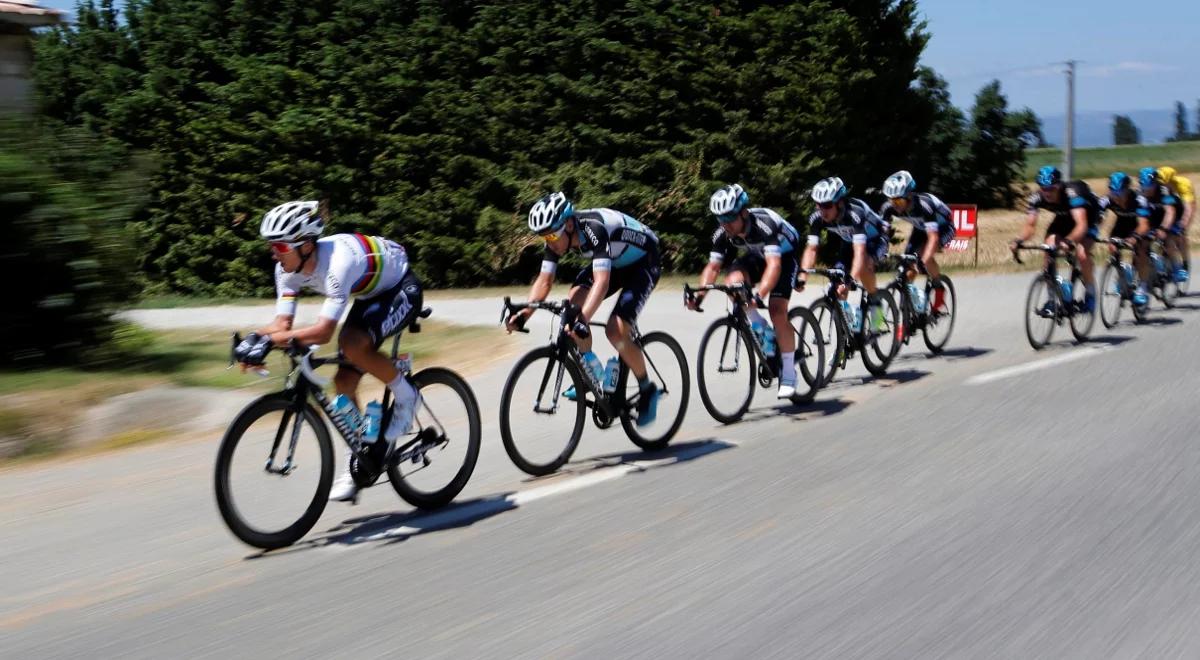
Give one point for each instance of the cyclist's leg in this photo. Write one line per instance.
(636, 282)
(1083, 252)
(777, 306)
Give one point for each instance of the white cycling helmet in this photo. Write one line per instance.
(828, 190)
(550, 213)
(728, 200)
(292, 222)
(899, 184)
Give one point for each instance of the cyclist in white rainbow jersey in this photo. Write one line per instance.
(371, 275)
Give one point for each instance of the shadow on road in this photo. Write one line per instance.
(400, 526)
(800, 411)
(948, 355)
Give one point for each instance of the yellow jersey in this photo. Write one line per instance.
(1180, 185)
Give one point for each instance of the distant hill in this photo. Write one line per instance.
(1093, 128)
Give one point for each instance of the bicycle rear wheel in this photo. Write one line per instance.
(833, 332)
(666, 366)
(539, 426)
(882, 344)
(446, 443)
(1041, 310)
(726, 371)
(1081, 320)
(907, 315)
(810, 353)
(939, 323)
(1113, 292)
(267, 509)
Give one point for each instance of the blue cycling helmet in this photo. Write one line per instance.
(1147, 177)
(1048, 176)
(1119, 182)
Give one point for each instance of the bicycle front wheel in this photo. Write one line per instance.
(446, 444)
(1041, 311)
(1081, 319)
(810, 353)
(539, 426)
(1113, 292)
(726, 371)
(882, 343)
(834, 336)
(666, 366)
(939, 323)
(270, 504)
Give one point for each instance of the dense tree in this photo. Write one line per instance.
(1181, 124)
(1125, 131)
(996, 151)
(438, 122)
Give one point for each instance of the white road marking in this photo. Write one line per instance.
(1036, 365)
(480, 509)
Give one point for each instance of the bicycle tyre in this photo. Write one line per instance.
(812, 367)
(1081, 322)
(629, 422)
(875, 359)
(244, 531)
(1034, 301)
(506, 432)
(936, 346)
(836, 341)
(741, 342)
(443, 496)
(1110, 314)
(907, 314)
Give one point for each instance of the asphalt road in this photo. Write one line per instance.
(991, 502)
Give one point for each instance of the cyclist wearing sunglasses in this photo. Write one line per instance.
(1166, 213)
(758, 245)
(1132, 213)
(624, 257)
(859, 234)
(930, 218)
(372, 271)
(1076, 218)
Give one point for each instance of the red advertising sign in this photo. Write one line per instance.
(964, 217)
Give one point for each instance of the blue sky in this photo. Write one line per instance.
(1133, 56)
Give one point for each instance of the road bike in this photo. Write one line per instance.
(916, 314)
(1053, 300)
(844, 336)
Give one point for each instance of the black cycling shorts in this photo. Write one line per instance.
(635, 282)
(877, 249)
(754, 267)
(1123, 228)
(1062, 226)
(916, 242)
(389, 312)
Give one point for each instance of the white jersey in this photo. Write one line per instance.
(348, 266)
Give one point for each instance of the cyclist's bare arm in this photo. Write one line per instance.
(1168, 219)
(537, 292)
(1081, 225)
(770, 276)
(320, 332)
(807, 261)
(281, 322)
(1030, 225)
(707, 276)
(595, 296)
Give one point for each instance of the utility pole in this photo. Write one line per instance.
(1069, 147)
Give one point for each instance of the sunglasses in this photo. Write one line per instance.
(899, 201)
(826, 205)
(283, 247)
(550, 237)
(726, 218)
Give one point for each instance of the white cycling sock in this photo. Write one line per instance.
(789, 364)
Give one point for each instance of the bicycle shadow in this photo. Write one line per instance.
(1158, 321)
(396, 527)
(949, 355)
(1092, 340)
(801, 412)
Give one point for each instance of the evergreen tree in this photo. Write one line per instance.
(1124, 131)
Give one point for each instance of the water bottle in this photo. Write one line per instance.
(853, 316)
(918, 298)
(594, 369)
(344, 409)
(372, 420)
(768, 340)
(1065, 285)
(610, 374)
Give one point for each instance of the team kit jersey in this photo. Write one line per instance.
(1074, 195)
(925, 213)
(348, 266)
(1182, 188)
(767, 234)
(620, 245)
(857, 225)
(1126, 216)
(1158, 199)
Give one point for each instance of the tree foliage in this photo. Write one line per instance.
(437, 122)
(1125, 131)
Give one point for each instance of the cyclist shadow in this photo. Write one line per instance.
(949, 355)
(642, 461)
(1160, 321)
